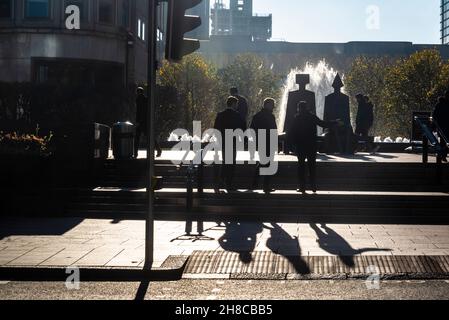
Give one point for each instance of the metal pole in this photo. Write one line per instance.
(425, 149)
(149, 228)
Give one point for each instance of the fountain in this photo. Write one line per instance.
(321, 78)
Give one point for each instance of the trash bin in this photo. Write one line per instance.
(123, 135)
(102, 141)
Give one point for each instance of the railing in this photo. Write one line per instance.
(441, 133)
(429, 139)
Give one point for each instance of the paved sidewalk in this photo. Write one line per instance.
(170, 155)
(106, 243)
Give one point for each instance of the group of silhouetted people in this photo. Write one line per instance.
(301, 130)
(300, 125)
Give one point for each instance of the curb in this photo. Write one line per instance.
(95, 274)
(271, 266)
(315, 277)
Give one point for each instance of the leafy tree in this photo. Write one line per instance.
(190, 94)
(397, 88)
(254, 79)
(367, 76)
(414, 84)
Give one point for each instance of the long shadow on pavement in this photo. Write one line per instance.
(282, 243)
(241, 238)
(333, 243)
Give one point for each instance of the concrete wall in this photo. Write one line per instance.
(285, 55)
(17, 50)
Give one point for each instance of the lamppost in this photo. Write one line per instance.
(149, 225)
(178, 24)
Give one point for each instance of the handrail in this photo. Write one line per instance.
(440, 132)
(427, 132)
(426, 124)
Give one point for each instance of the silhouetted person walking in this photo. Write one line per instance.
(229, 119)
(242, 107)
(264, 120)
(141, 121)
(295, 97)
(364, 121)
(441, 118)
(303, 136)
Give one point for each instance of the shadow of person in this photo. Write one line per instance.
(241, 238)
(335, 244)
(282, 243)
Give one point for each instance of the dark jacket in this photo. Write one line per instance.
(294, 98)
(303, 132)
(242, 107)
(142, 110)
(365, 116)
(229, 119)
(264, 120)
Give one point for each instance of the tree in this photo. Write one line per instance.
(367, 76)
(255, 81)
(194, 83)
(414, 84)
(397, 88)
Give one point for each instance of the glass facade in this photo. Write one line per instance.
(37, 8)
(445, 21)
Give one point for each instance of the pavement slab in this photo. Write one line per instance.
(119, 244)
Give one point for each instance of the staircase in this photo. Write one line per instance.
(372, 193)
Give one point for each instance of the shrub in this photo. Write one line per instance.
(25, 144)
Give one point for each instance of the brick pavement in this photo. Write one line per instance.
(107, 243)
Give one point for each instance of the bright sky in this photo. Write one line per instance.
(417, 21)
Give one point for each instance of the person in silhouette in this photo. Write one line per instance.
(294, 98)
(338, 139)
(440, 117)
(141, 122)
(364, 121)
(303, 136)
(264, 120)
(242, 107)
(229, 119)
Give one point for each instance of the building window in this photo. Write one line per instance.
(141, 30)
(37, 8)
(125, 14)
(82, 5)
(106, 11)
(5, 9)
(42, 74)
